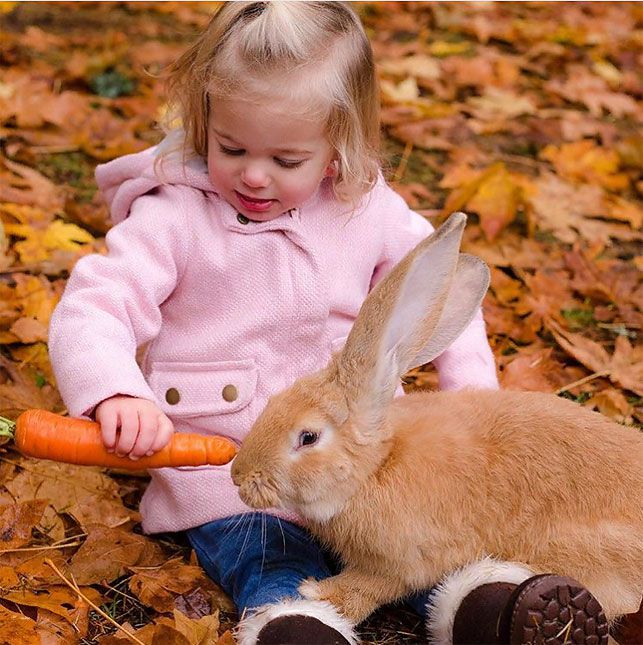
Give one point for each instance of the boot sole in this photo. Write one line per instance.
(556, 610)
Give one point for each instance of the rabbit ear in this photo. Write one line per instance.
(410, 317)
(468, 287)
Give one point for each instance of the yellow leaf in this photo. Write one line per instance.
(61, 235)
(442, 48)
(417, 66)
(608, 72)
(7, 7)
(496, 201)
(402, 92)
(36, 357)
(37, 244)
(584, 161)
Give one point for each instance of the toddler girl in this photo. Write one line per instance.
(242, 248)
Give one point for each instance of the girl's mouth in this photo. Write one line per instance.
(253, 204)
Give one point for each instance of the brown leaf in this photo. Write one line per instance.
(24, 185)
(19, 390)
(226, 638)
(624, 366)
(166, 635)
(568, 211)
(60, 600)
(203, 631)
(16, 628)
(85, 493)
(612, 403)
(531, 370)
(17, 521)
(106, 554)
(581, 86)
(158, 587)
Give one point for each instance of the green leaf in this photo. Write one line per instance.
(112, 84)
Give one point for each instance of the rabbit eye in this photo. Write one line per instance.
(307, 438)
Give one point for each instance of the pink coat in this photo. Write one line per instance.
(221, 301)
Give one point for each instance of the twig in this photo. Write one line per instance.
(401, 167)
(51, 547)
(581, 381)
(74, 587)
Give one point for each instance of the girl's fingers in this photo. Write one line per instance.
(128, 431)
(147, 431)
(163, 434)
(107, 420)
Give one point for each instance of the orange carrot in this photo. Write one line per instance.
(45, 435)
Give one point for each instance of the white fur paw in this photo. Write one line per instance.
(249, 627)
(310, 589)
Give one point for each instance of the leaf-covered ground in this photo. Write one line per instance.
(525, 115)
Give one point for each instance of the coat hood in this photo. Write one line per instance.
(124, 179)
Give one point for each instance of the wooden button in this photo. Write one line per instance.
(242, 219)
(230, 393)
(172, 396)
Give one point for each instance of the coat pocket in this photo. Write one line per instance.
(203, 389)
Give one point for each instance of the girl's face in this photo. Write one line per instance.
(263, 160)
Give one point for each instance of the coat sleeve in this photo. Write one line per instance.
(469, 361)
(111, 304)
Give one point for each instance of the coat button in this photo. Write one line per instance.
(242, 219)
(230, 393)
(172, 396)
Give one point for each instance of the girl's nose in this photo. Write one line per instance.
(254, 176)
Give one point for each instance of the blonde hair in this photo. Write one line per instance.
(315, 54)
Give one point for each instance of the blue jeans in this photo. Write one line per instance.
(259, 559)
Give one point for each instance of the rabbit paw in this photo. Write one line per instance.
(310, 590)
(341, 594)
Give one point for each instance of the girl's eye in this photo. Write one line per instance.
(233, 152)
(286, 163)
(307, 438)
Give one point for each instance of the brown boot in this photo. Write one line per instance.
(491, 602)
(543, 609)
(298, 629)
(296, 622)
(629, 629)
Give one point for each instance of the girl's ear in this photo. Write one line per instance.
(331, 169)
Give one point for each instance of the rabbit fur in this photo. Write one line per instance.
(408, 489)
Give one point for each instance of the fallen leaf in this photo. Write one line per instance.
(24, 185)
(17, 521)
(584, 161)
(158, 587)
(416, 66)
(581, 86)
(17, 629)
(624, 367)
(203, 631)
(59, 600)
(530, 370)
(85, 493)
(613, 404)
(569, 212)
(500, 104)
(106, 554)
(496, 201)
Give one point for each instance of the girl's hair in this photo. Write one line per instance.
(314, 56)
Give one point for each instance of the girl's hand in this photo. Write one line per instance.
(133, 427)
